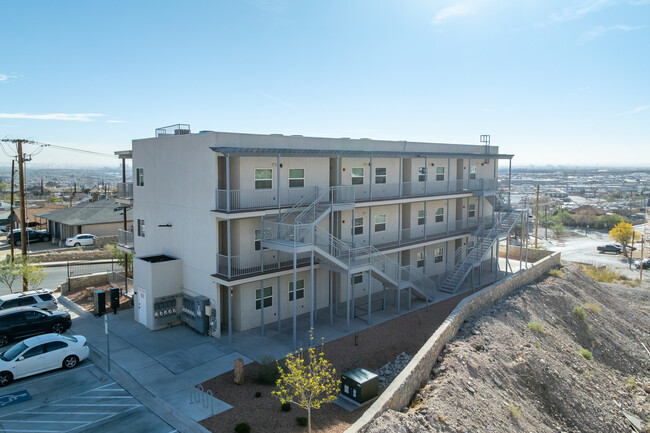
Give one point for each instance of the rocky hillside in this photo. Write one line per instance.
(562, 355)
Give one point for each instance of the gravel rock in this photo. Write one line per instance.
(388, 372)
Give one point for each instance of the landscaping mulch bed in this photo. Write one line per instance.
(369, 349)
(84, 297)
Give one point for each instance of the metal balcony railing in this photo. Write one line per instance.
(178, 129)
(244, 200)
(125, 238)
(125, 190)
(257, 262)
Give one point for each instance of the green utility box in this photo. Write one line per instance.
(360, 385)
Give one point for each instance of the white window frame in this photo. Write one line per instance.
(141, 227)
(357, 179)
(419, 259)
(257, 236)
(356, 225)
(259, 299)
(256, 180)
(440, 173)
(471, 210)
(440, 214)
(472, 172)
(300, 293)
(422, 174)
(439, 254)
(139, 176)
(421, 217)
(380, 226)
(380, 178)
(357, 278)
(298, 182)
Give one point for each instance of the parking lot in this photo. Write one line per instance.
(80, 400)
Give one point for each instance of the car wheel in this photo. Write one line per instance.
(17, 243)
(6, 378)
(77, 244)
(70, 361)
(58, 328)
(4, 340)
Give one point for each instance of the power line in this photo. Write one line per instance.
(72, 149)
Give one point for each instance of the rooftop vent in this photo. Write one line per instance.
(179, 129)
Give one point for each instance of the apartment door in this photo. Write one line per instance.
(142, 306)
(458, 244)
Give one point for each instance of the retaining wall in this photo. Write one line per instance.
(534, 255)
(416, 374)
(83, 281)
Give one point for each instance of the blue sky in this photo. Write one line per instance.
(552, 81)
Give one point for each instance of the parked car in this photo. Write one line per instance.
(645, 262)
(20, 322)
(80, 240)
(39, 298)
(4, 229)
(43, 353)
(32, 236)
(610, 248)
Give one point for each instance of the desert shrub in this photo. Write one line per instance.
(579, 312)
(630, 383)
(536, 326)
(242, 427)
(556, 273)
(514, 411)
(589, 329)
(258, 394)
(286, 406)
(586, 354)
(537, 345)
(593, 307)
(634, 283)
(602, 275)
(268, 373)
(301, 421)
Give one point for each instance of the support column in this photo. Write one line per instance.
(521, 245)
(399, 224)
(526, 218)
(227, 183)
(313, 292)
(369, 296)
(277, 165)
(371, 176)
(401, 183)
(509, 179)
(331, 287)
(347, 311)
(229, 247)
(229, 315)
(426, 177)
(507, 253)
(295, 301)
(262, 307)
(448, 218)
(448, 175)
(398, 289)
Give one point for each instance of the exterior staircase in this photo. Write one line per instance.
(485, 237)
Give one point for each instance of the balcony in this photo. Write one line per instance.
(256, 263)
(125, 241)
(124, 190)
(249, 200)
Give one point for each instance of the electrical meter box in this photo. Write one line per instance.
(165, 310)
(193, 313)
(99, 298)
(360, 385)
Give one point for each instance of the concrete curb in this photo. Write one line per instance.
(74, 307)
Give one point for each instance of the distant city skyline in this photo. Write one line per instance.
(553, 82)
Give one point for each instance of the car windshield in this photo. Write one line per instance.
(13, 352)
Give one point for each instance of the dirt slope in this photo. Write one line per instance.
(499, 375)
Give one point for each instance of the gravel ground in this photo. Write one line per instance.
(501, 375)
(84, 297)
(370, 349)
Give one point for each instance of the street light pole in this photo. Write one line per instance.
(23, 219)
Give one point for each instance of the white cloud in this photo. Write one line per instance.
(81, 117)
(6, 78)
(636, 110)
(580, 9)
(457, 10)
(115, 121)
(597, 31)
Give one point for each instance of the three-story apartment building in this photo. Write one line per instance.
(271, 227)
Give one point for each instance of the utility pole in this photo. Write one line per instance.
(23, 218)
(536, 216)
(545, 224)
(12, 217)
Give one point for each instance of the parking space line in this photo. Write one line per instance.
(43, 422)
(99, 420)
(104, 396)
(70, 413)
(33, 379)
(30, 431)
(97, 405)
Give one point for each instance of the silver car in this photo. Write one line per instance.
(39, 298)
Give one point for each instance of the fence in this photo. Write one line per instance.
(78, 269)
(117, 279)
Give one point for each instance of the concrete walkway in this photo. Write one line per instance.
(159, 368)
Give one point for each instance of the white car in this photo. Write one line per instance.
(80, 240)
(41, 353)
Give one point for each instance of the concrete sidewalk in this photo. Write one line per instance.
(160, 368)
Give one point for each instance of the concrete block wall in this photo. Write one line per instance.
(533, 254)
(83, 281)
(416, 374)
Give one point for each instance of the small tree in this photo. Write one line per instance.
(9, 273)
(609, 221)
(558, 230)
(34, 274)
(121, 258)
(622, 233)
(307, 380)
(564, 217)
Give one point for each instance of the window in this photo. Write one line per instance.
(139, 176)
(300, 292)
(258, 238)
(421, 217)
(357, 278)
(357, 176)
(38, 350)
(471, 210)
(422, 174)
(380, 175)
(358, 226)
(440, 173)
(472, 172)
(27, 300)
(380, 223)
(438, 255)
(263, 178)
(440, 214)
(141, 228)
(34, 315)
(470, 245)
(420, 260)
(296, 178)
(55, 345)
(267, 298)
